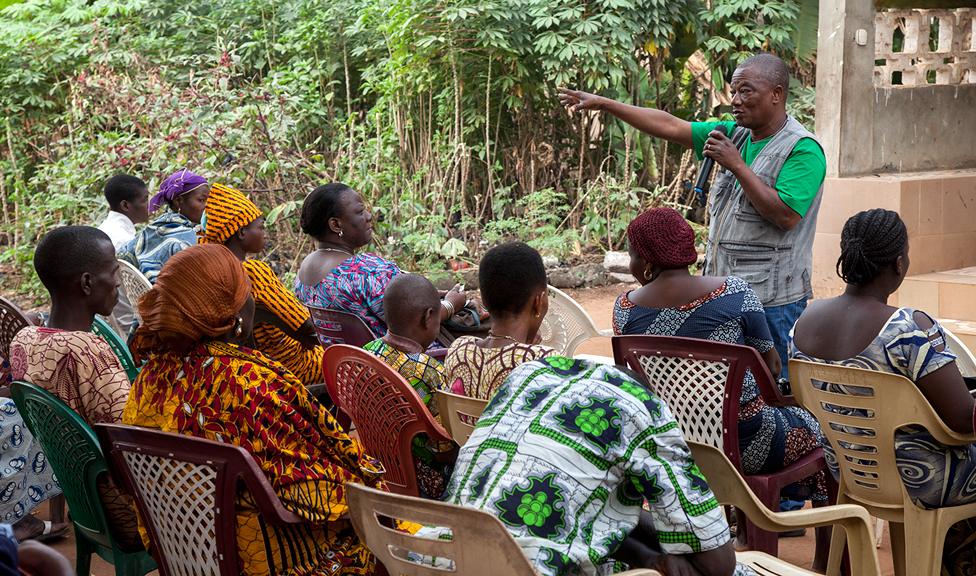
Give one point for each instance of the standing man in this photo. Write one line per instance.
(763, 209)
(128, 203)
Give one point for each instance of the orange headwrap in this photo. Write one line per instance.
(197, 296)
(228, 210)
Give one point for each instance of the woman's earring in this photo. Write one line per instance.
(240, 327)
(340, 232)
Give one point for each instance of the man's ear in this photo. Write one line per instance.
(125, 206)
(86, 281)
(430, 315)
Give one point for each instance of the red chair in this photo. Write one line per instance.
(185, 489)
(701, 381)
(385, 409)
(12, 321)
(338, 327)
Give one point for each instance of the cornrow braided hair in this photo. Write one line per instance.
(871, 240)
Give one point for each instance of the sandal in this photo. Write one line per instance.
(53, 531)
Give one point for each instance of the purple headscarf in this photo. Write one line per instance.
(175, 185)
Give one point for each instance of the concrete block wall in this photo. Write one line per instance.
(939, 210)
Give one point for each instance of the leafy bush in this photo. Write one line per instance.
(443, 113)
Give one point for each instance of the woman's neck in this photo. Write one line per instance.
(73, 317)
(507, 330)
(873, 291)
(335, 244)
(238, 250)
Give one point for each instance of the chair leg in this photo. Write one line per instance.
(838, 540)
(83, 553)
(56, 507)
(924, 556)
(756, 538)
(878, 532)
(896, 531)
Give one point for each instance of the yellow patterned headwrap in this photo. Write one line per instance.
(228, 210)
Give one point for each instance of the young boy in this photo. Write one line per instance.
(412, 308)
(413, 317)
(128, 202)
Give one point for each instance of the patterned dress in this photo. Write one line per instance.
(477, 372)
(769, 437)
(356, 286)
(934, 475)
(233, 394)
(81, 370)
(433, 461)
(159, 240)
(271, 294)
(566, 453)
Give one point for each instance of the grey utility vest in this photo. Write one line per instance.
(777, 264)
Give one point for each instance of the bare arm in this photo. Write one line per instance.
(946, 390)
(650, 121)
(765, 199)
(773, 362)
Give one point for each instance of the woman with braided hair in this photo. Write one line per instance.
(859, 329)
(673, 302)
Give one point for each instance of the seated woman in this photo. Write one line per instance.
(514, 289)
(78, 268)
(186, 194)
(413, 315)
(333, 275)
(283, 327)
(673, 302)
(859, 329)
(575, 449)
(200, 381)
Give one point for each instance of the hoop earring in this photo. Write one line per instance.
(239, 329)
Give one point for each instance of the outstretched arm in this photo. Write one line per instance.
(651, 121)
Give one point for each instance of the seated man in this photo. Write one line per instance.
(77, 265)
(413, 320)
(566, 453)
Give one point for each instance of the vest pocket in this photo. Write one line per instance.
(756, 264)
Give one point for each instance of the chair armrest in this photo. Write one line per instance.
(608, 333)
(640, 572)
(846, 514)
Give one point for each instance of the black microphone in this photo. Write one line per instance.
(705, 172)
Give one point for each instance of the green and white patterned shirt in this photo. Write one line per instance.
(566, 453)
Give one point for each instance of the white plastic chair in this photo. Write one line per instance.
(134, 285)
(567, 325)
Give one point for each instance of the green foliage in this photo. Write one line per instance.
(443, 113)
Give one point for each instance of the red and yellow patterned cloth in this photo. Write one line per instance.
(232, 394)
(271, 294)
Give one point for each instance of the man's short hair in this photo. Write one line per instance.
(509, 276)
(771, 67)
(65, 253)
(123, 187)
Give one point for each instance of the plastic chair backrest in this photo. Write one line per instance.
(700, 380)
(567, 324)
(12, 321)
(74, 453)
(480, 544)
(731, 489)
(118, 346)
(965, 360)
(459, 414)
(385, 409)
(338, 327)
(185, 489)
(861, 425)
(134, 284)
